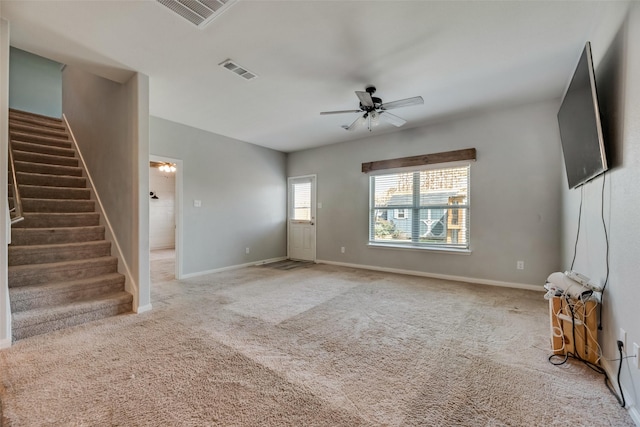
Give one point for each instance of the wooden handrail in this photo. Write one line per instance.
(15, 213)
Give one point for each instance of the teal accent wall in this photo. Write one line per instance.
(35, 83)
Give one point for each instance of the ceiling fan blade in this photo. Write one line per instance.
(392, 118)
(357, 123)
(340, 112)
(365, 98)
(416, 100)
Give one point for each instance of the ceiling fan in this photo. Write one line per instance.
(374, 110)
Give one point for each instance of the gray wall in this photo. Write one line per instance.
(243, 192)
(515, 195)
(5, 231)
(618, 79)
(109, 122)
(35, 84)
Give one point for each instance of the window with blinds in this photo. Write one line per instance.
(422, 208)
(300, 201)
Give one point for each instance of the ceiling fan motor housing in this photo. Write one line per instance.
(376, 101)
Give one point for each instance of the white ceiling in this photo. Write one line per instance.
(311, 56)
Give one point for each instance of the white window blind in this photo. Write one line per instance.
(301, 201)
(423, 208)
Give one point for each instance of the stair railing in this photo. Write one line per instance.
(15, 212)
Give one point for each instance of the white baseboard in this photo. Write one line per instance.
(635, 415)
(5, 343)
(143, 308)
(437, 276)
(233, 267)
(631, 408)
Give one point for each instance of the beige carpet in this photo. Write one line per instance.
(318, 346)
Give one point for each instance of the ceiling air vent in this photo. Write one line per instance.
(238, 70)
(198, 12)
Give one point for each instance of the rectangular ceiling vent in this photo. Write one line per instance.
(238, 70)
(198, 12)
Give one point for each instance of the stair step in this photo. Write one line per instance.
(37, 130)
(42, 254)
(32, 121)
(32, 297)
(40, 321)
(32, 147)
(57, 205)
(60, 270)
(56, 220)
(25, 156)
(27, 178)
(27, 275)
(19, 115)
(44, 192)
(41, 168)
(39, 139)
(54, 235)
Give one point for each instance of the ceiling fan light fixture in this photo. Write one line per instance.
(373, 109)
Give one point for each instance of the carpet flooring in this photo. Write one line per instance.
(316, 346)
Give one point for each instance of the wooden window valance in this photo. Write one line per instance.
(424, 159)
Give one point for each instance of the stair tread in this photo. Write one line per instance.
(17, 136)
(23, 291)
(33, 147)
(47, 175)
(59, 214)
(51, 187)
(30, 121)
(52, 246)
(48, 314)
(68, 170)
(74, 263)
(49, 180)
(25, 188)
(20, 155)
(59, 230)
(15, 112)
(38, 130)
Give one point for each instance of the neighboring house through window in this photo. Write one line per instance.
(429, 208)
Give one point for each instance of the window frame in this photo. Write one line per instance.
(463, 211)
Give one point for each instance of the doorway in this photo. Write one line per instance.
(165, 208)
(301, 218)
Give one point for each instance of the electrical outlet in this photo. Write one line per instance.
(520, 265)
(622, 336)
(342, 249)
(636, 352)
(247, 250)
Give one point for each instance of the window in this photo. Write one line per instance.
(402, 213)
(301, 201)
(429, 208)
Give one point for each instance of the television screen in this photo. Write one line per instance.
(580, 126)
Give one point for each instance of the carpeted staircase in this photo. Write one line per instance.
(61, 272)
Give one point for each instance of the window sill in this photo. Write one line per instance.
(420, 248)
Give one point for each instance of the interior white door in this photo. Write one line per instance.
(301, 220)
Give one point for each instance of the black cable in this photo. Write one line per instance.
(621, 400)
(575, 247)
(568, 354)
(592, 366)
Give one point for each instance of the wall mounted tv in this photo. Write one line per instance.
(580, 125)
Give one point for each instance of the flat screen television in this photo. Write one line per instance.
(580, 126)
